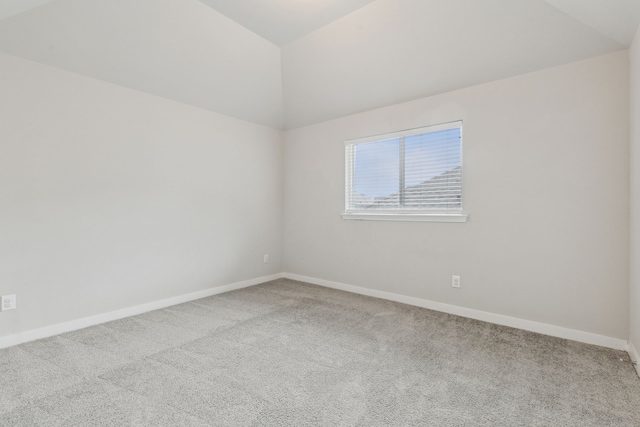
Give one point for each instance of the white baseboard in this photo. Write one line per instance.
(527, 325)
(633, 354)
(73, 325)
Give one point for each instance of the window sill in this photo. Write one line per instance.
(406, 217)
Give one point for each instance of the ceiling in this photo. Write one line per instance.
(176, 49)
(283, 21)
(13, 7)
(290, 63)
(617, 19)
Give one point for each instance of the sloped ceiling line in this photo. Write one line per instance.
(616, 19)
(306, 61)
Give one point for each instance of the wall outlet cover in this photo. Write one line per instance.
(8, 303)
(455, 281)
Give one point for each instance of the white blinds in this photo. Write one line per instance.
(413, 171)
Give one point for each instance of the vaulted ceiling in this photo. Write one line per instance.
(290, 63)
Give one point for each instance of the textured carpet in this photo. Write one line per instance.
(286, 353)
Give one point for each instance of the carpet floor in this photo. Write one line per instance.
(286, 353)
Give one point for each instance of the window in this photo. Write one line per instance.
(412, 175)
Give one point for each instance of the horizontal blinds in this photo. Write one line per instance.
(418, 170)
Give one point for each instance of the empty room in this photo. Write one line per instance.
(319, 212)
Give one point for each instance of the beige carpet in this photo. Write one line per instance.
(286, 353)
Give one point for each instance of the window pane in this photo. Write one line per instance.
(376, 178)
(433, 171)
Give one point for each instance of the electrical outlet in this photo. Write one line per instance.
(8, 302)
(455, 281)
(266, 258)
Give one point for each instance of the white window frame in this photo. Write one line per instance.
(455, 215)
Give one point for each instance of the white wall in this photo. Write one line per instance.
(634, 329)
(111, 198)
(546, 186)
